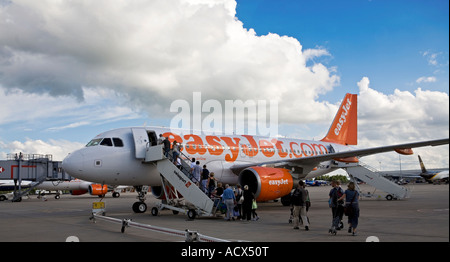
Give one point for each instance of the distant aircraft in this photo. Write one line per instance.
(315, 182)
(76, 187)
(8, 185)
(79, 187)
(433, 176)
(269, 166)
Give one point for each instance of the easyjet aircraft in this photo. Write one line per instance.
(268, 165)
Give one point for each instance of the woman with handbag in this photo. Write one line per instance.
(351, 208)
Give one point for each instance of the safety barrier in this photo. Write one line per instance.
(190, 236)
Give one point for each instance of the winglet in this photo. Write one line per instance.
(344, 129)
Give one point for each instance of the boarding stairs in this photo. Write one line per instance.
(176, 181)
(376, 179)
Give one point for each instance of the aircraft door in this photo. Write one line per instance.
(153, 138)
(141, 140)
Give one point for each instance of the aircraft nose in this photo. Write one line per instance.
(73, 164)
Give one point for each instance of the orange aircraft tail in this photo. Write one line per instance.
(344, 129)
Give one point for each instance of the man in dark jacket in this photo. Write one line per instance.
(337, 206)
(298, 200)
(166, 144)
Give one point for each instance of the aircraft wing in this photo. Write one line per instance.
(313, 161)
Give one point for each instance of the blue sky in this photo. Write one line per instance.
(64, 80)
(384, 40)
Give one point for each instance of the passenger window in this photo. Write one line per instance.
(106, 142)
(117, 142)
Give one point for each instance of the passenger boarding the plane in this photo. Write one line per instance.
(230, 201)
(166, 143)
(212, 182)
(205, 177)
(160, 139)
(176, 151)
(196, 173)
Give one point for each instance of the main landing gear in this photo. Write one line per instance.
(140, 206)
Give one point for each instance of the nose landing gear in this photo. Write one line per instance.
(140, 206)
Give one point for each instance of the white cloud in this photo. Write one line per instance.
(312, 53)
(154, 52)
(403, 117)
(426, 79)
(57, 148)
(99, 106)
(72, 125)
(431, 57)
(127, 57)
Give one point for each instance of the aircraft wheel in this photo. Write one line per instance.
(139, 207)
(154, 211)
(191, 214)
(286, 200)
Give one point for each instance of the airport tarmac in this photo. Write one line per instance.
(424, 217)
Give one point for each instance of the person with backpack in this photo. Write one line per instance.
(337, 206)
(351, 197)
(298, 200)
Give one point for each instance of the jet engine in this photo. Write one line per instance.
(267, 183)
(157, 191)
(98, 189)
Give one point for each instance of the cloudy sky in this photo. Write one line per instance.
(72, 69)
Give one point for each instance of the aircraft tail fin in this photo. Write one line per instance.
(344, 129)
(422, 166)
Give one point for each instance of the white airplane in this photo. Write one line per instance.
(433, 175)
(267, 165)
(8, 185)
(76, 187)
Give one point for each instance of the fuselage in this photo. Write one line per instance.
(72, 185)
(115, 157)
(435, 176)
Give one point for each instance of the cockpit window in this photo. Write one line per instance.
(94, 142)
(106, 142)
(117, 142)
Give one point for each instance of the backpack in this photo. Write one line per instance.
(338, 193)
(296, 197)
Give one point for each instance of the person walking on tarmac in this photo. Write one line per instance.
(230, 201)
(247, 203)
(337, 206)
(298, 199)
(351, 197)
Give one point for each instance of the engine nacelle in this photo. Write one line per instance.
(98, 189)
(157, 191)
(404, 151)
(267, 183)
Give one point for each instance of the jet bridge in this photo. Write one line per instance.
(30, 167)
(376, 179)
(178, 187)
